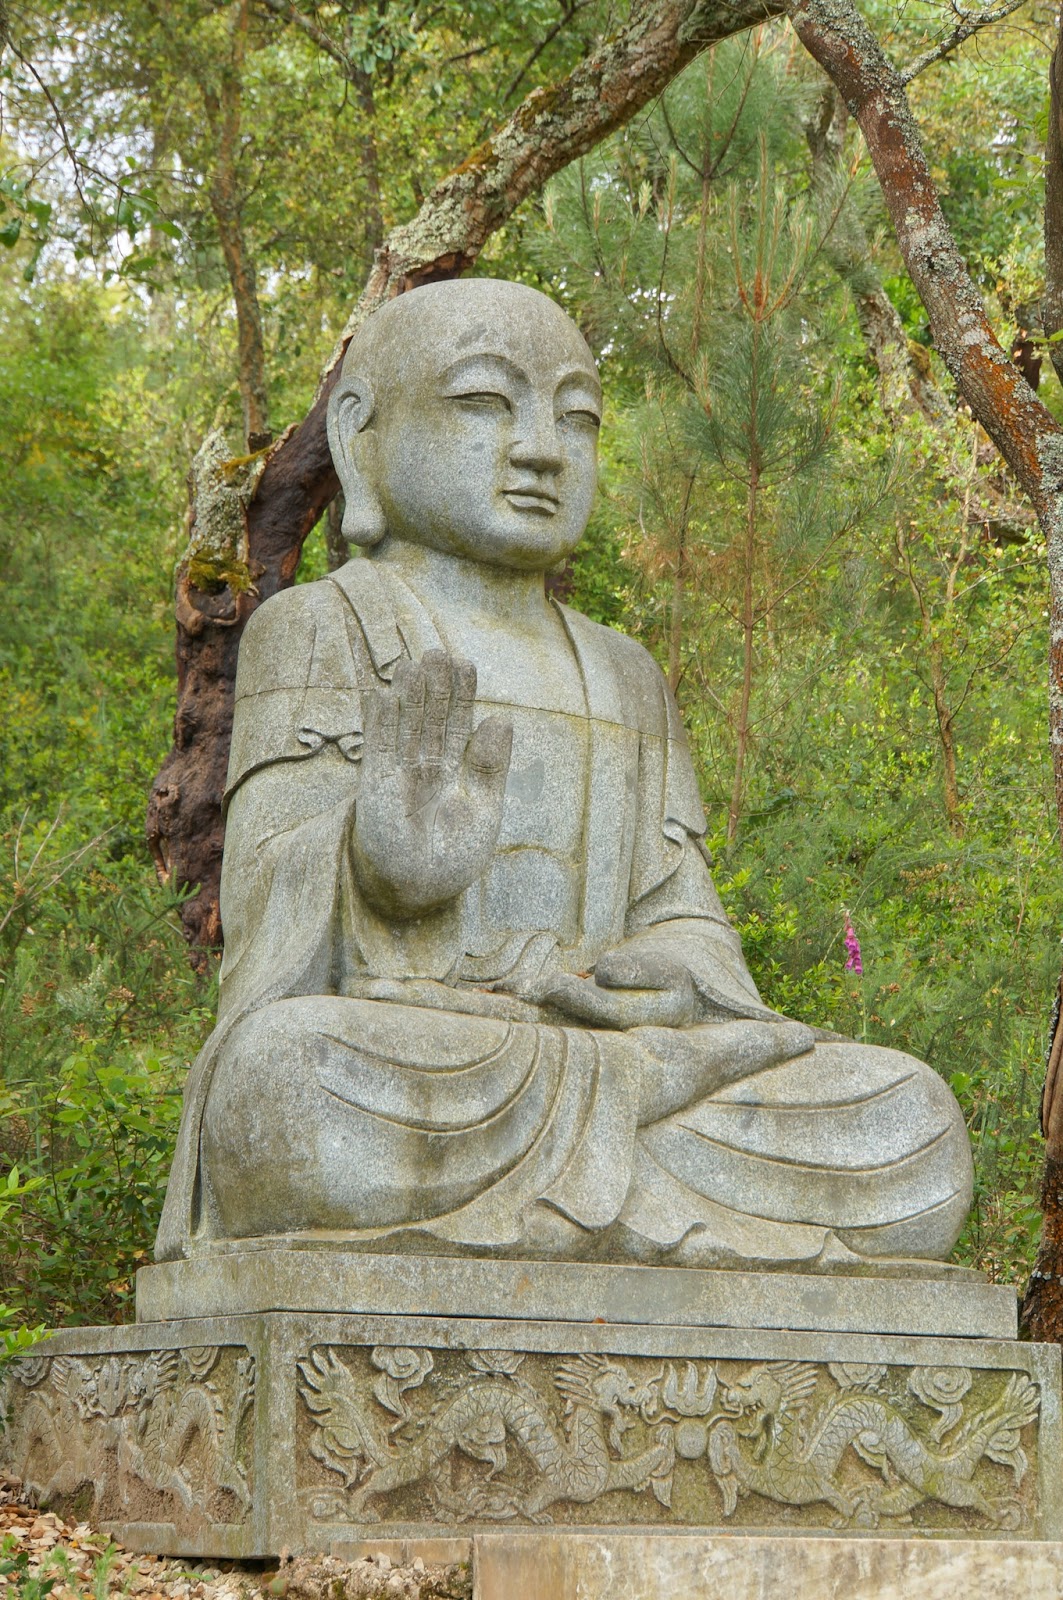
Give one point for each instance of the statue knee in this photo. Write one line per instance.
(261, 1136)
(300, 1130)
(937, 1202)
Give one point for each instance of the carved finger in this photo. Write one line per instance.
(462, 700)
(485, 765)
(585, 1001)
(381, 725)
(435, 665)
(408, 683)
(581, 999)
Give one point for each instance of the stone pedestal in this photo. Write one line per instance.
(651, 1567)
(322, 1399)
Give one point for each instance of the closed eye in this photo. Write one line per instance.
(483, 400)
(586, 418)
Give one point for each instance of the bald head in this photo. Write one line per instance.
(466, 418)
(404, 341)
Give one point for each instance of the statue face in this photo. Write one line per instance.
(482, 439)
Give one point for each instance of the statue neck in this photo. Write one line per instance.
(448, 583)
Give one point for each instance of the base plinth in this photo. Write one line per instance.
(317, 1430)
(630, 1567)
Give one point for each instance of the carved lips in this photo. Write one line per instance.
(541, 501)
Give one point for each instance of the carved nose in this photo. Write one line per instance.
(537, 447)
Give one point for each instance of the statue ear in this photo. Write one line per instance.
(363, 515)
(349, 411)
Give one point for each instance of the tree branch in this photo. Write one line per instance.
(288, 12)
(1021, 427)
(569, 10)
(970, 23)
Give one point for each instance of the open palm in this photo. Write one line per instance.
(430, 809)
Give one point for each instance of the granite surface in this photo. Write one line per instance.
(578, 1567)
(286, 1277)
(479, 993)
(240, 1436)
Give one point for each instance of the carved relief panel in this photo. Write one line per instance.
(394, 1434)
(156, 1436)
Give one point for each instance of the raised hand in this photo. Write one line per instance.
(430, 807)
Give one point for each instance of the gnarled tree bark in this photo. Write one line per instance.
(230, 568)
(1052, 304)
(1023, 430)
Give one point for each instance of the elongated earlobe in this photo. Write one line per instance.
(363, 516)
(350, 410)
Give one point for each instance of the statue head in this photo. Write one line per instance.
(466, 419)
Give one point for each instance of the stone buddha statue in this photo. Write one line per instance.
(479, 995)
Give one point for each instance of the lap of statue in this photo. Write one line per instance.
(403, 1128)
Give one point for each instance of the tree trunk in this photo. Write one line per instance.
(1052, 304)
(550, 128)
(1042, 1306)
(1020, 426)
(224, 113)
(362, 84)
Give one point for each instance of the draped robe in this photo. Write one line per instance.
(397, 1086)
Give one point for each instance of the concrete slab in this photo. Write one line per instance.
(652, 1567)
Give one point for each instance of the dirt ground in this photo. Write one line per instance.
(44, 1558)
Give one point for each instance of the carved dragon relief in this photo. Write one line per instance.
(418, 1435)
(155, 1436)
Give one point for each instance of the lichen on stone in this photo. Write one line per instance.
(221, 486)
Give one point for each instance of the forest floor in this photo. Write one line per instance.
(44, 1558)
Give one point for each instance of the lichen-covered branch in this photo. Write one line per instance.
(550, 128)
(1021, 427)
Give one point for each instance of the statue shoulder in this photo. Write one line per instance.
(643, 689)
(280, 633)
(619, 647)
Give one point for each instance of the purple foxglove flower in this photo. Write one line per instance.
(854, 963)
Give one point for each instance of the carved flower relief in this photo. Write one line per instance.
(32, 1370)
(691, 1395)
(112, 1387)
(496, 1363)
(943, 1390)
(200, 1360)
(401, 1368)
(856, 1374)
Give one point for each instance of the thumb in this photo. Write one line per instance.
(485, 764)
(638, 969)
